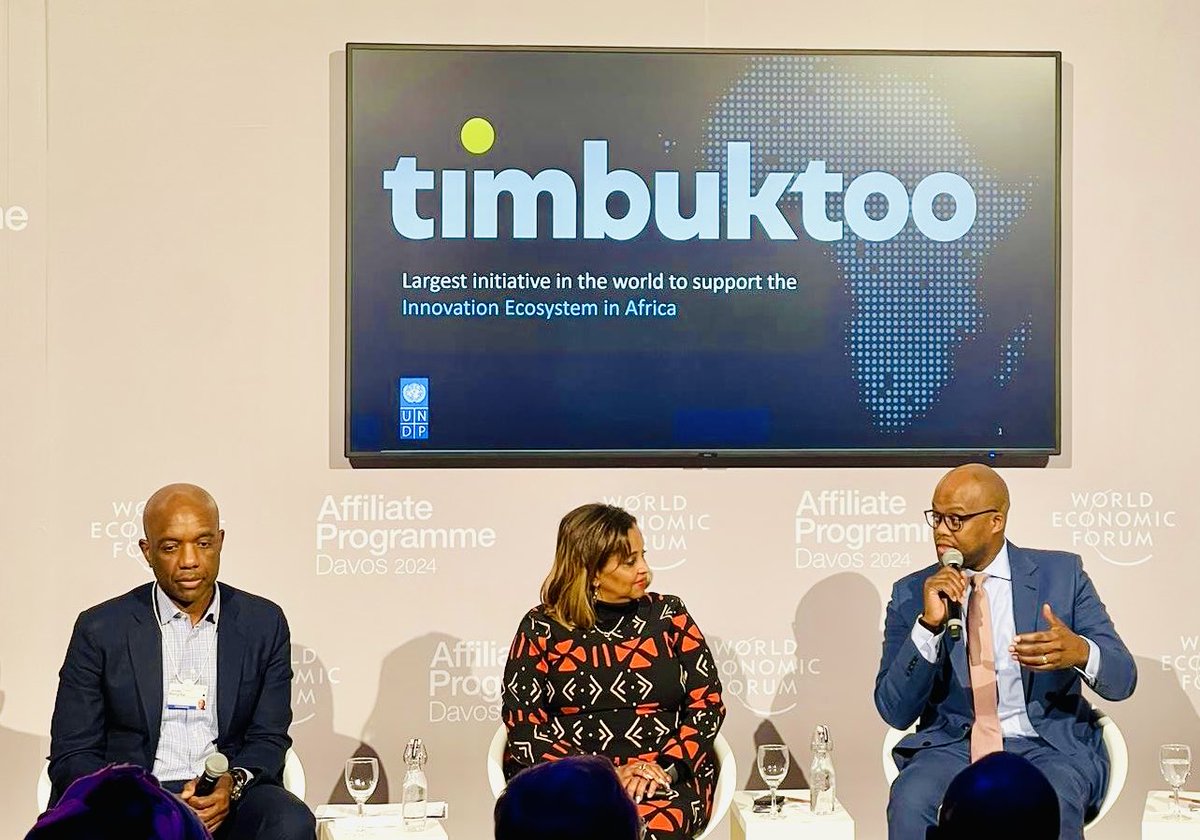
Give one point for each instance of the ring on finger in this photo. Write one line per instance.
(1044, 659)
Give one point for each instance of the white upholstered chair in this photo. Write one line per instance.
(1110, 734)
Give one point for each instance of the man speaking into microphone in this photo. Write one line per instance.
(1034, 631)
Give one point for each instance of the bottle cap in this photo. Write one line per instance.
(414, 753)
(820, 739)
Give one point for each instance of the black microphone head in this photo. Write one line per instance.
(952, 557)
(216, 765)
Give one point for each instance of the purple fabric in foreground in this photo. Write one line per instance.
(120, 802)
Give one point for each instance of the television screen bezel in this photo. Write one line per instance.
(692, 457)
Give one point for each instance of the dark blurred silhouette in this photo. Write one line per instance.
(579, 797)
(999, 797)
(119, 802)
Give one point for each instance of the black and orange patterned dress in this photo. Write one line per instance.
(639, 686)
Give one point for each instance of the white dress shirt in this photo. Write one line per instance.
(187, 737)
(1014, 720)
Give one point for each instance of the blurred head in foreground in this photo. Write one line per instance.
(578, 797)
(1000, 796)
(120, 802)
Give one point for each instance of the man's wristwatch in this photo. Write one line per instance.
(240, 778)
(929, 627)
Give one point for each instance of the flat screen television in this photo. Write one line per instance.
(684, 256)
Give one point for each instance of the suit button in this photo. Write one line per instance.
(926, 743)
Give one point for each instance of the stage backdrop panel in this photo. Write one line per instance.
(172, 308)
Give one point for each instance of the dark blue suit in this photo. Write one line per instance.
(110, 693)
(938, 694)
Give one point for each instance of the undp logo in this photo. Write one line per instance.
(414, 392)
(414, 408)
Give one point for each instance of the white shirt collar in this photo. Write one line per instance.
(1000, 567)
(168, 610)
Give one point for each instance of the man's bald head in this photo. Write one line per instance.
(974, 499)
(164, 500)
(978, 482)
(183, 545)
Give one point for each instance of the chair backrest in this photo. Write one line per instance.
(890, 739)
(722, 794)
(495, 761)
(1114, 746)
(293, 779)
(726, 784)
(1118, 764)
(293, 775)
(44, 786)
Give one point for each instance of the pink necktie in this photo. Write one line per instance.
(985, 734)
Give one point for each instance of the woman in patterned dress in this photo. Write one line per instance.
(602, 666)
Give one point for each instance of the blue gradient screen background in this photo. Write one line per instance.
(907, 344)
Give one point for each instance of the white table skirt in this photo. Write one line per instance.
(1156, 826)
(797, 822)
(379, 822)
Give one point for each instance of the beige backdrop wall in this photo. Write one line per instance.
(171, 309)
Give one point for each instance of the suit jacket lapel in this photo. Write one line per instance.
(1026, 603)
(145, 651)
(230, 650)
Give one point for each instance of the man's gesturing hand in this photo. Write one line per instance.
(1052, 649)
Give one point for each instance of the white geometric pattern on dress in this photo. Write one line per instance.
(522, 751)
(524, 684)
(636, 733)
(589, 729)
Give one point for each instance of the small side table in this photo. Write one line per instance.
(379, 822)
(797, 822)
(1156, 826)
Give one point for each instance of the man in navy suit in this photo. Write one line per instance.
(1049, 633)
(167, 674)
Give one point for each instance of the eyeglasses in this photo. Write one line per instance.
(954, 521)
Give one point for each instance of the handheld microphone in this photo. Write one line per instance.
(215, 766)
(954, 626)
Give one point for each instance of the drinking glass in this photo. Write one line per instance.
(362, 774)
(1175, 761)
(773, 767)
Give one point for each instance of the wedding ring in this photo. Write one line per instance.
(1043, 659)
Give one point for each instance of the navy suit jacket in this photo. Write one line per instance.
(110, 691)
(938, 695)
